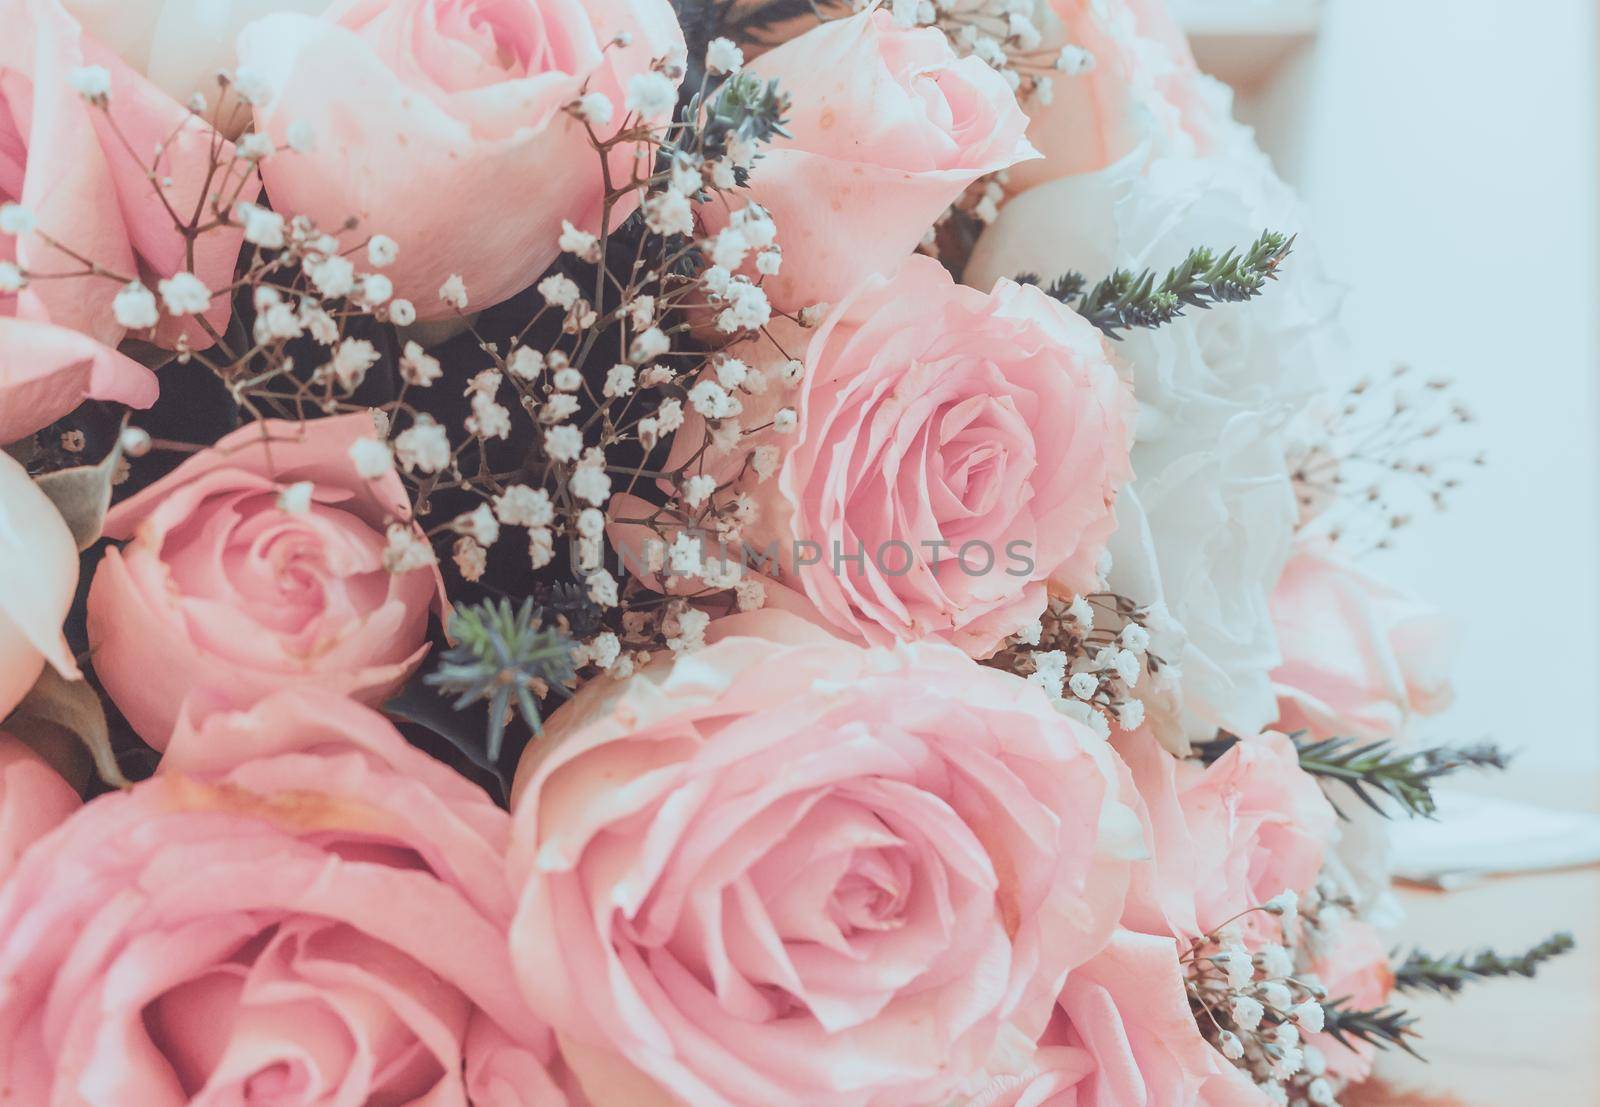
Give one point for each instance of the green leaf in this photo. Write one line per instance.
(72, 706)
(83, 494)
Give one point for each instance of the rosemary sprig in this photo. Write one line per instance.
(1447, 976)
(1127, 299)
(1383, 1027)
(501, 656)
(1378, 767)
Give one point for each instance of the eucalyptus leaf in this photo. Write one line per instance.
(83, 495)
(73, 706)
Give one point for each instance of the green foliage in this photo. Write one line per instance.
(1383, 1027)
(501, 656)
(1378, 768)
(1421, 972)
(1127, 299)
(743, 108)
(1405, 777)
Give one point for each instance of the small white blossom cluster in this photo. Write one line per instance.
(581, 403)
(1258, 1009)
(1090, 654)
(1004, 33)
(1375, 457)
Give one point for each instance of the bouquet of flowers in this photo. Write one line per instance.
(728, 553)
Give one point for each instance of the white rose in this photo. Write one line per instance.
(1206, 524)
(39, 564)
(181, 44)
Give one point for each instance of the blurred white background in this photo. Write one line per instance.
(1448, 155)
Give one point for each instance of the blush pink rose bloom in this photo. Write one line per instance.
(39, 565)
(33, 800)
(1123, 1034)
(412, 102)
(790, 871)
(236, 595)
(298, 908)
(887, 127)
(1222, 838)
(46, 371)
(1360, 659)
(1140, 84)
(63, 160)
(971, 445)
(1355, 969)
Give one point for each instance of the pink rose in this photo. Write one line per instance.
(412, 103)
(789, 871)
(955, 455)
(887, 128)
(1139, 83)
(65, 162)
(46, 371)
(1355, 969)
(1123, 1034)
(1223, 838)
(238, 595)
(39, 565)
(33, 801)
(299, 907)
(1360, 659)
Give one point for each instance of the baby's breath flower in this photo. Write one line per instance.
(376, 289)
(1074, 60)
(454, 292)
(581, 244)
(648, 345)
(185, 294)
(651, 94)
(382, 251)
(17, 220)
(262, 227)
(352, 360)
(479, 524)
(594, 108)
(488, 419)
(619, 381)
(697, 489)
(254, 146)
(723, 56)
(525, 363)
(603, 588)
(591, 484)
(402, 313)
(372, 458)
(417, 367)
(559, 290)
(541, 547)
(750, 594)
(563, 443)
(522, 506)
(747, 308)
(92, 82)
(471, 559)
(423, 446)
(333, 276)
(295, 499)
(1245, 1012)
(669, 213)
(135, 307)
